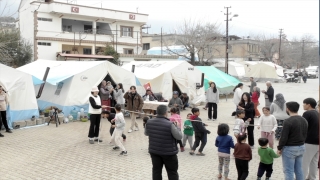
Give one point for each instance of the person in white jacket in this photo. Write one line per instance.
(268, 124)
(212, 97)
(237, 94)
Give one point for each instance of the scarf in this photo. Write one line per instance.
(280, 101)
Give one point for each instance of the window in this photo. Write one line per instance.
(44, 43)
(209, 49)
(87, 28)
(127, 51)
(44, 19)
(67, 28)
(87, 51)
(59, 87)
(146, 46)
(126, 31)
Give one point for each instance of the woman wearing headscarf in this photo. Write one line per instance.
(278, 109)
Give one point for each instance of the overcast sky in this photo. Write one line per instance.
(255, 17)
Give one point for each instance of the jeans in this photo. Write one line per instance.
(215, 108)
(242, 168)
(292, 162)
(4, 120)
(199, 137)
(250, 134)
(310, 161)
(184, 140)
(265, 167)
(170, 162)
(94, 125)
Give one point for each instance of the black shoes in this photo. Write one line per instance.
(8, 131)
(98, 140)
(115, 148)
(1, 135)
(123, 153)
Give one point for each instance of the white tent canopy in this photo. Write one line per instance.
(163, 75)
(69, 83)
(234, 69)
(20, 91)
(264, 71)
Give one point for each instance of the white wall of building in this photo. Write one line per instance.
(126, 60)
(49, 52)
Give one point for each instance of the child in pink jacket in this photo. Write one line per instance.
(176, 118)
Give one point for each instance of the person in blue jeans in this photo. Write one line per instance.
(291, 143)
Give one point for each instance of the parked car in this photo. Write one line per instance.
(313, 71)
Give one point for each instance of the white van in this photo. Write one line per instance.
(313, 71)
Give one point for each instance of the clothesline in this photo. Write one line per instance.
(181, 118)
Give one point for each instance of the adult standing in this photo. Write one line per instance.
(291, 143)
(118, 95)
(4, 101)
(134, 104)
(278, 110)
(212, 98)
(248, 107)
(175, 101)
(269, 94)
(185, 100)
(237, 94)
(163, 136)
(252, 85)
(255, 99)
(95, 115)
(304, 75)
(311, 156)
(105, 95)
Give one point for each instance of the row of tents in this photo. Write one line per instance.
(68, 83)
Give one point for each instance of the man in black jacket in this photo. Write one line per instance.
(291, 143)
(269, 94)
(163, 149)
(110, 116)
(311, 156)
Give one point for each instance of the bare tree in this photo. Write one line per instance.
(269, 46)
(194, 36)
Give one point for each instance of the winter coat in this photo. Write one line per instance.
(133, 103)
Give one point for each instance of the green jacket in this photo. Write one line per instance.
(267, 155)
(188, 129)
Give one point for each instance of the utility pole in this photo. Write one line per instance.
(302, 55)
(280, 46)
(227, 39)
(161, 41)
(137, 41)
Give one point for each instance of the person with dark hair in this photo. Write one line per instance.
(95, 115)
(134, 104)
(145, 121)
(105, 94)
(176, 118)
(4, 101)
(311, 156)
(110, 116)
(242, 154)
(266, 159)
(248, 107)
(187, 131)
(278, 110)
(239, 125)
(119, 128)
(200, 132)
(212, 98)
(268, 125)
(118, 95)
(237, 94)
(163, 136)
(252, 85)
(185, 100)
(224, 142)
(269, 94)
(149, 96)
(291, 143)
(175, 101)
(255, 99)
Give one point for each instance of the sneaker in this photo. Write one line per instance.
(214, 119)
(115, 148)
(200, 154)
(98, 140)
(252, 147)
(181, 149)
(1, 135)
(209, 119)
(136, 129)
(258, 178)
(130, 130)
(8, 131)
(91, 141)
(267, 178)
(123, 153)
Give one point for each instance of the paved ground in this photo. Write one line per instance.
(48, 152)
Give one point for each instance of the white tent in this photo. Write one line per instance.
(69, 83)
(166, 76)
(20, 91)
(265, 71)
(234, 69)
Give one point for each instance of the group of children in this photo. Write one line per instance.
(194, 126)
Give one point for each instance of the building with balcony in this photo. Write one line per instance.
(56, 27)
